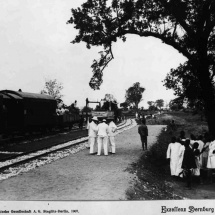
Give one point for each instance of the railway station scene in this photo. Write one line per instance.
(105, 101)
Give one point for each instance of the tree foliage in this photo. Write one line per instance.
(176, 104)
(188, 26)
(86, 109)
(152, 105)
(124, 105)
(186, 86)
(159, 103)
(134, 93)
(53, 88)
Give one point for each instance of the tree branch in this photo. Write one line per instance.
(180, 20)
(166, 40)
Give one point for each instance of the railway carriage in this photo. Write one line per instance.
(21, 111)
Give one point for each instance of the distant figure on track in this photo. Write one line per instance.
(103, 131)
(93, 129)
(112, 130)
(143, 131)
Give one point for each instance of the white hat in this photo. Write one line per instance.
(95, 118)
(104, 120)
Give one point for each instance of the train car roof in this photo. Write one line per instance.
(23, 95)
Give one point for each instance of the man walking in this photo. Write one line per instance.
(103, 131)
(93, 129)
(143, 131)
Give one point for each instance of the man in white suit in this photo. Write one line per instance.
(103, 131)
(93, 129)
(112, 130)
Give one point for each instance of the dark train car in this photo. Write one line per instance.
(21, 111)
(68, 119)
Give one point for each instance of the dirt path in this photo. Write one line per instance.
(81, 176)
(198, 191)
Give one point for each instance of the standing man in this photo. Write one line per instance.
(103, 131)
(143, 131)
(112, 130)
(93, 129)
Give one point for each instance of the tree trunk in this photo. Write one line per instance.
(208, 94)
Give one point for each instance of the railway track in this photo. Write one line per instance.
(16, 138)
(27, 161)
(26, 147)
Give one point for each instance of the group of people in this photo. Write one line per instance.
(192, 157)
(63, 109)
(101, 133)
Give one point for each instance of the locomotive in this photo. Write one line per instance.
(22, 111)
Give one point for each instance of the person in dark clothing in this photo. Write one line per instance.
(188, 163)
(143, 131)
(182, 135)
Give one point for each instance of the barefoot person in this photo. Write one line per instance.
(188, 163)
(196, 171)
(93, 129)
(103, 131)
(143, 131)
(112, 130)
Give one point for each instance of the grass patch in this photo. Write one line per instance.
(152, 171)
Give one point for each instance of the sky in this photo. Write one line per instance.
(35, 46)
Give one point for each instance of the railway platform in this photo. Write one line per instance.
(81, 176)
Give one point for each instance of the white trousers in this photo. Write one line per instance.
(102, 141)
(88, 143)
(112, 145)
(92, 142)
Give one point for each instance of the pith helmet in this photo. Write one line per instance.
(95, 118)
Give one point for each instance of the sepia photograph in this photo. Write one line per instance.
(107, 107)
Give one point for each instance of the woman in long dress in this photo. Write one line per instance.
(173, 155)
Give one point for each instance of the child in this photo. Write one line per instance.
(196, 171)
(188, 163)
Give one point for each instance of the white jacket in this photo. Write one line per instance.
(92, 129)
(112, 129)
(103, 129)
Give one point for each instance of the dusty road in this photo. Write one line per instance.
(81, 176)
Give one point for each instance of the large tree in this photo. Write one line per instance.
(133, 94)
(188, 26)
